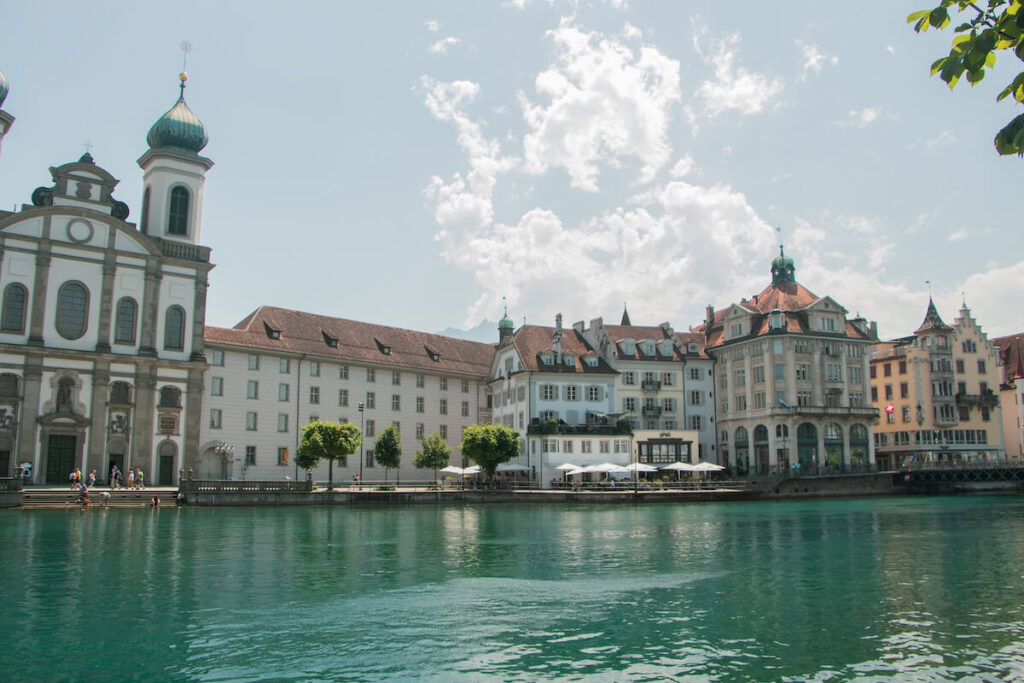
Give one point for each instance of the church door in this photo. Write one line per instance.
(60, 458)
(166, 470)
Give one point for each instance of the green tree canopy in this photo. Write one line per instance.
(434, 455)
(388, 449)
(327, 441)
(997, 26)
(490, 445)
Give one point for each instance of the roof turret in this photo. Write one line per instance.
(932, 319)
(783, 269)
(179, 128)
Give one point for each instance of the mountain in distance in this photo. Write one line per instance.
(486, 332)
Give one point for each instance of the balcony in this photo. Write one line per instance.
(651, 411)
(866, 412)
(620, 428)
(988, 399)
(946, 421)
(184, 250)
(653, 385)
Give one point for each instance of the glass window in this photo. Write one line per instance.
(252, 389)
(72, 310)
(342, 397)
(396, 377)
(282, 392)
(177, 220)
(214, 418)
(282, 422)
(174, 328)
(254, 361)
(343, 372)
(217, 358)
(15, 300)
(314, 368)
(216, 386)
(285, 366)
(250, 422)
(314, 395)
(371, 375)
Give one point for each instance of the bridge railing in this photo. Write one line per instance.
(237, 486)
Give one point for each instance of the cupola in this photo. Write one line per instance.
(783, 269)
(505, 327)
(179, 128)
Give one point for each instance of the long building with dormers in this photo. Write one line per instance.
(792, 380)
(101, 319)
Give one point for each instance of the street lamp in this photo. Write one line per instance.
(225, 450)
(362, 428)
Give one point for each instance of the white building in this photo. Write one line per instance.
(101, 321)
(279, 369)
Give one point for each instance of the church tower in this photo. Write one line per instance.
(174, 175)
(5, 119)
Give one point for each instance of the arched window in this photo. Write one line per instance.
(144, 219)
(120, 393)
(782, 431)
(833, 432)
(170, 397)
(15, 300)
(124, 326)
(741, 436)
(174, 329)
(72, 310)
(760, 434)
(177, 219)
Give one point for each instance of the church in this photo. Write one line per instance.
(102, 318)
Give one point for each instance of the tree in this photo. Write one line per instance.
(490, 445)
(434, 455)
(998, 27)
(388, 450)
(327, 440)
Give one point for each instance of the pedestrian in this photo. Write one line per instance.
(92, 479)
(105, 497)
(138, 478)
(155, 502)
(71, 478)
(115, 477)
(131, 478)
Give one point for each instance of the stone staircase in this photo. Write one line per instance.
(120, 498)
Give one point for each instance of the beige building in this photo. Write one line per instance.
(1011, 393)
(936, 393)
(791, 380)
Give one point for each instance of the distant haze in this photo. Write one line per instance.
(486, 332)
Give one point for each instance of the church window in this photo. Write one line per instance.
(124, 326)
(174, 329)
(72, 310)
(15, 298)
(177, 222)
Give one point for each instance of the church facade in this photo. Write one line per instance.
(102, 319)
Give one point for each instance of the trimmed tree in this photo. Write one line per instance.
(327, 441)
(490, 445)
(388, 450)
(435, 454)
(985, 30)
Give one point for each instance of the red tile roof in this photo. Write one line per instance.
(355, 342)
(1011, 354)
(619, 332)
(532, 340)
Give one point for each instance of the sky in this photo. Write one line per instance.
(412, 163)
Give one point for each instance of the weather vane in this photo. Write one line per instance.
(929, 283)
(186, 47)
(88, 146)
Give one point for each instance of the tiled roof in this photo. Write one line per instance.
(1011, 354)
(532, 340)
(637, 332)
(686, 338)
(932, 319)
(349, 340)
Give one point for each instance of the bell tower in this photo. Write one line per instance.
(174, 174)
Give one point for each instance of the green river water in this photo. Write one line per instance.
(919, 588)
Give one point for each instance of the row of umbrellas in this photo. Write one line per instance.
(571, 470)
(475, 469)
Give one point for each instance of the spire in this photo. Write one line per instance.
(625, 315)
(932, 319)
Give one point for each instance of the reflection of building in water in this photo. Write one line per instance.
(936, 393)
(792, 379)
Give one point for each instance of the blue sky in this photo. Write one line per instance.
(411, 163)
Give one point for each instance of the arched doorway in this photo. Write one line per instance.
(807, 446)
(167, 456)
(761, 449)
(116, 450)
(742, 445)
(859, 446)
(782, 447)
(210, 465)
(833, 445)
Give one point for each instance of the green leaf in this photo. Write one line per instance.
(990, 59)
(1010, 140)
(938, 17)
(938, 64)
(975, 76)
(914, 16)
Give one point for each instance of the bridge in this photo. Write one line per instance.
(962, 476)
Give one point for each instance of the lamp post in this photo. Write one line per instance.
(225, 450)
(362, 428)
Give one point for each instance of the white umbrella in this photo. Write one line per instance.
(707, 467)
(565, 467)
(511, 467)
(578, 470)
(681, 467)
(451, 469)
(640, 467)
(608, 467)
(472, 469)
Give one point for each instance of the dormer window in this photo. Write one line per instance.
(329, 340)
(272, 332)
(828, 324)
(666, 348)
(432, 354)
(547, 359)
(628, 347)
(382, 347)
(736, 330)
(591, 361)
(776, 320)
(693, 348)
(648, 348)
(569, 360)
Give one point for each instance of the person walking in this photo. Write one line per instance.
(115, 477)
(139, 478)
(131, 478)
(92, 479)
(71, 478)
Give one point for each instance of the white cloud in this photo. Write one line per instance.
(441, 46)
(684, 167)
(890, 49)
(606, 102)
(732, 87)
(964, 233)
(630, 31)
(943, 139)
(859, 118)
(432, 25)
(994, 297)
(813, 59)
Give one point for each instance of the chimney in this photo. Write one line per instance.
(556, 341)
(709, 320)
(873, 330)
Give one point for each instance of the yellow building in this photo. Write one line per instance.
(936, 392)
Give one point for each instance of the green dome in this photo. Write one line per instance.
(179, 128)
(506, 323)
(4, 88)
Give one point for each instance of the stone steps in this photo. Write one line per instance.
(51, 498)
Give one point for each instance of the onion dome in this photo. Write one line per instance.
(506, 322)
(4, 88)
(783, 269)
(179, 128)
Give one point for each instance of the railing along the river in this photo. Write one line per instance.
(10, 483)
(241, 486)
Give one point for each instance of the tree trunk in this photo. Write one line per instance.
(330, 474)
(385, 475)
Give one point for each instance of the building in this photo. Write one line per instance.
(664, 385)
(792, 380)
(279, 369)
(559, 394)
(935, 392)
(6, 120)
(1011, 393)
(101, 326)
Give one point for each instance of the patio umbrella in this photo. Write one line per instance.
(640, 467)
(451, 469)
(565, 467)
(707, 467)
(680, 467)
(471, 470)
